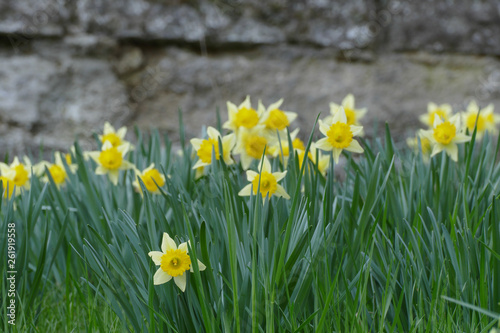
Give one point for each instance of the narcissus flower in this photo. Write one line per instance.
(251, 144)
(206, 147)
(174, 262)
(352, 114)
(339, 136)
(8, 186)
(274, 118)
(19, 173)
(484, 119)
(151, 177)
(242, 116)
(56, 170)
(322, 162)
(281, 148)
(443, 111)
(110, 161)
(420, 142)
(268, 182)
(116, 138)
(445, 135)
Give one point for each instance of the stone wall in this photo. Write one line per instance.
(67, 66)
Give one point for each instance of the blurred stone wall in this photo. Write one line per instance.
(66, 66)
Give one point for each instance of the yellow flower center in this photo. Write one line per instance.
(438, 112)
(268, 184)
(112, 138)
(6, 182)
(277, 120)
(339, 135)
(205, 151)
(298, 144)
(175, 262)
(246, 118)
(445, 132)
(471, 122)
(149, 179)
(58, 174)
(21, 176)
(426, 145)
(255, 145)
(111, 158)
(350, 115)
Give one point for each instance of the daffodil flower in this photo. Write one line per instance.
(268, 182)
(19, 173)
(445, 135)
(173, 261)
(322, 162)
(205, 147)
(339, 136)
(251, 144)
(442, 111)
(281, 148)
(242, 116)
(420, 143)
(151, 177)
(352, 114)
(274, 118)
(484, 119)
(116, 138)
(110, 161)
(57, 170)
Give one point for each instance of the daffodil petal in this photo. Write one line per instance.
(167, 243)
(180, 281)
(156, 256)
(161, 277)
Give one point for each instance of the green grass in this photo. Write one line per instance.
(385, 243)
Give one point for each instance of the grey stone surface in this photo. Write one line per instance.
(67, 66)
(444, 26)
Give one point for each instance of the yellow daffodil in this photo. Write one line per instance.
(19, 173)
(110, 161)
(57, 170)
(274, 118)
(116, 138)
(251, 144)
(281, 148)
(323, 161)
(268, 182)
(443, 111)
(151, 177)
(445, 135)
(174, 262)
(339, 136)
(420, 143)
(242, 116)
(484, 119)
(352, 114)
(8, 186)
(205, 147)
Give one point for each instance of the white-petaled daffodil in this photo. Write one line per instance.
(174, 262)
(206, 147)
(443, 111)
(242, 116)
(445, 135)
(352, 114)
(484, 119)
(275, 119)
(115, 137)
(339, 136)
(251, 144)
(56, 170)
(151, 177)
(110, 160)
(268, 182)
(18, 173)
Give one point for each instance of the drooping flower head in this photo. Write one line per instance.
(268, 182)
(242, 116)
(443, 111)
(445, 135)
(174, 262)
(152, 179)
(352, 114)
(484, 119)
(110, 160)
(206, 147)
(339, 136)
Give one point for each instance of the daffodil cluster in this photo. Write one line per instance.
(446, 130)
